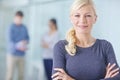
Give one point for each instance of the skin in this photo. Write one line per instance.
(18, 20)
(83, 20)
(52, 26)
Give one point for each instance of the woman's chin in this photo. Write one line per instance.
(83, 32)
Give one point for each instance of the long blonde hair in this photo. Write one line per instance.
(71, 35)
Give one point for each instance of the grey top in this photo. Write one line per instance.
(89, 63)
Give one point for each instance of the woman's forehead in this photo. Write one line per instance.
(84, 9)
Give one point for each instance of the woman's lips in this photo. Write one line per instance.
(83, 27)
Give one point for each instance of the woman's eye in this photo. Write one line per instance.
(88, 16)
(77, 15)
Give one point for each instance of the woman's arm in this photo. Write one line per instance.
(112, 70)
(59, 62)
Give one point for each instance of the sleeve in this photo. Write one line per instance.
(10, 34)
(111, 58)
(59, 60)
(10, 38)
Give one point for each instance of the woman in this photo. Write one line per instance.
(48, 42)
(81, 56)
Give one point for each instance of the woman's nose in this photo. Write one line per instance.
(82, 20)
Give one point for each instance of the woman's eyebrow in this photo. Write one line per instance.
(88, 13)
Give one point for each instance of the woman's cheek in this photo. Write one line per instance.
(75, 21)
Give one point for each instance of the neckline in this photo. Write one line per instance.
(17, 25)
(89, 46)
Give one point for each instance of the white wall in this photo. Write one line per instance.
(13, 3)
(5, 20)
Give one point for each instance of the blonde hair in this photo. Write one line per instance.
(77, 4)
(71, 35)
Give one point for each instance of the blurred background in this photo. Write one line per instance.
(37, 14)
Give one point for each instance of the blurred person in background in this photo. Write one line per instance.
(48, 41)
(17, 41)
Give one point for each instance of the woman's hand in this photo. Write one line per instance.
(110, 71)
(61, 75)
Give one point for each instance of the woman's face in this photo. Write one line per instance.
(83, 19)
(51, 25)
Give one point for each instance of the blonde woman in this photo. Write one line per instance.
(81, 56)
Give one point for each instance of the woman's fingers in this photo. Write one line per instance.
(60, 70)
(107, 69)
(113, 71)
(110, 71)
(108, 65)
(115, 74)
(57, 78)
(59, 74)
(56, 74)
(111, 67)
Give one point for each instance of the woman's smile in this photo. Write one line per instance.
(83, 26)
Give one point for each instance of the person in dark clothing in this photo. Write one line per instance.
(81, 56)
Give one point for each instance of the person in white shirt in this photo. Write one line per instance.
(48, 41)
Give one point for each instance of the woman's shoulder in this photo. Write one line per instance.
(104, 42)
(60, 47)
(61, 43)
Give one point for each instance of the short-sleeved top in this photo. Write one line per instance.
(89, 63)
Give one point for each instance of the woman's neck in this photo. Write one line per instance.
(85, 40)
